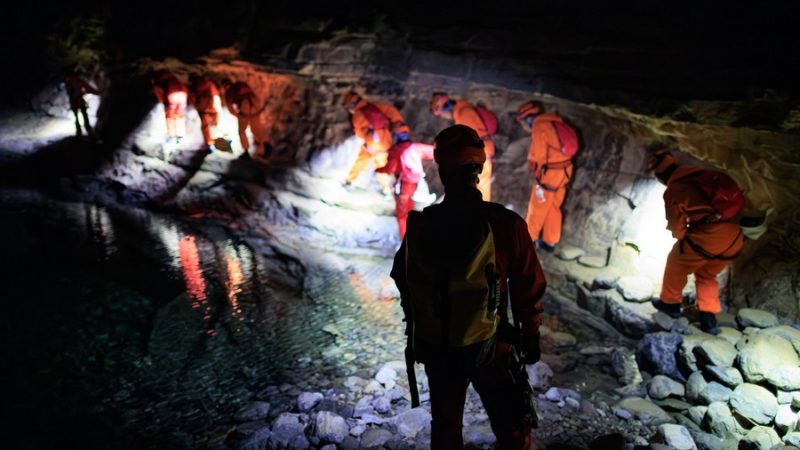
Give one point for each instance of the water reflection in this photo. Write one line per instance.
(101, 229)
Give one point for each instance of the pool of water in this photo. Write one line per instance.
(121, 326)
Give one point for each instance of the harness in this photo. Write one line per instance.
(702, 252)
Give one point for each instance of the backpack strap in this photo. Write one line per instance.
(702, 252)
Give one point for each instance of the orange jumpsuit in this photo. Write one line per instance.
(686, 207)
(243, 103)
(206, 100)
(173, 93)
(465, 114)
(77, 87)
(553, 171)
(376, 142)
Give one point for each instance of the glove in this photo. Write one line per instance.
(530, 349)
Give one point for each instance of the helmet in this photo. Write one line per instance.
(438, 100)
(530, 108)
(660, 161)
(351, 99)
(458, 145)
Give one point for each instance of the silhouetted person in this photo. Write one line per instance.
(460, 265)
(243, 103)
(204, 96)
(173, 94)
(76, 88)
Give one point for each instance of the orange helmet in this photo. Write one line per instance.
(530, 108)
(351, 99)
(458, 145)
(438, 100)
(660, 161)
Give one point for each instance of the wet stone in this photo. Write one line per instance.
(375, 438)
(755, 403)
(568, 252)
(411, 422)
(728, 376)
(604, 280)
(635, 288)
(363, 407)
(299, 442)
(331, 427)
(749, 317)
(308, 400)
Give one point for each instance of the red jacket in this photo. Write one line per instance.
(516, 258)
(76, 88)
(204, 92)
(405, 161)
(167, 83)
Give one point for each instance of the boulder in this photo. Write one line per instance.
(568, 252)
(624, 365)
(645, 411)
(686, 356)
(749, 317)
(308, 400)
(676, 437)
(597, 262)
(792, 439)
(631, 319)
(754, 403)
(715, 392)
(719, 420)
(786, 378)
(375, 438)
(412, 421)
(635, 288)
(716, 352)
(731, 335)
(331, 427)
(791, 334)
(728, 376)
(760, 353)
(785, 419)
(662, 387)
(695, 386)
(673, 404)
(386, 376)
(786, 397)
(560, 340)
(591, 301)
(697, 413)
(285, 427)
(604, 280)
(540, 375)
(706, 441)
(363, 407)
(760, 438)
(382, 404)
(655, 354)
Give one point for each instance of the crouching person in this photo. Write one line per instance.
(458, 265)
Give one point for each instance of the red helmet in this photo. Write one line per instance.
(530, 108)
(438, 100)
(660, 161)
(351, 99)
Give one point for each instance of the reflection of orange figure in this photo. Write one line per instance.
(234, 284)
(192, 273)
(369, 301)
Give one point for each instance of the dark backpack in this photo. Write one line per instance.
(488, 118)
(722, 193)
(567, 138)
(377, 120)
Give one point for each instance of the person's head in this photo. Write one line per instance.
(442, 106)
(401, 132)
(458, 150)
(351, 100)
(661, 164)
(527, 113)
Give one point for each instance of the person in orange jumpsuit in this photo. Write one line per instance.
(243, 103)
(705, 245)
(77, 87)
(173, 94)
(452, 230)
(204, 96)
(405, 162)
(461, 112)
(372, 122)
(552, 171)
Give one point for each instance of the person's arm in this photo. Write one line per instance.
(526, 285)
(425, 150)
(360, 125)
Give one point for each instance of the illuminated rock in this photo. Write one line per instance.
(760, 438)
(785, 419)
(568, 252)
(760, 353)
(644, 410)
(791, 334)
(729, 376)
(686, 356)
(635, 288)
(331, 427)
(695, 386)
(749, 317)
(716, 351)
(540, 375)
(785, 398)
(792, 439)
(715, 392)
(676, 437)
(731, 335)
(604, 280)
(785, 377)
(593, 261)
(719, 420)
(411, 422)
(706, 441)
(697, 413)
(755, 403)
(662, 387)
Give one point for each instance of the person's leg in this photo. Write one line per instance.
(364, 158)
(180, 119)
(244, 122)
(551, 229)
(404, 204)
(536, 214)
(448, 390)
(205, 128)
(503, 402)
(485, 181)
(78, 131)
(679, 265)
(705, 279)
